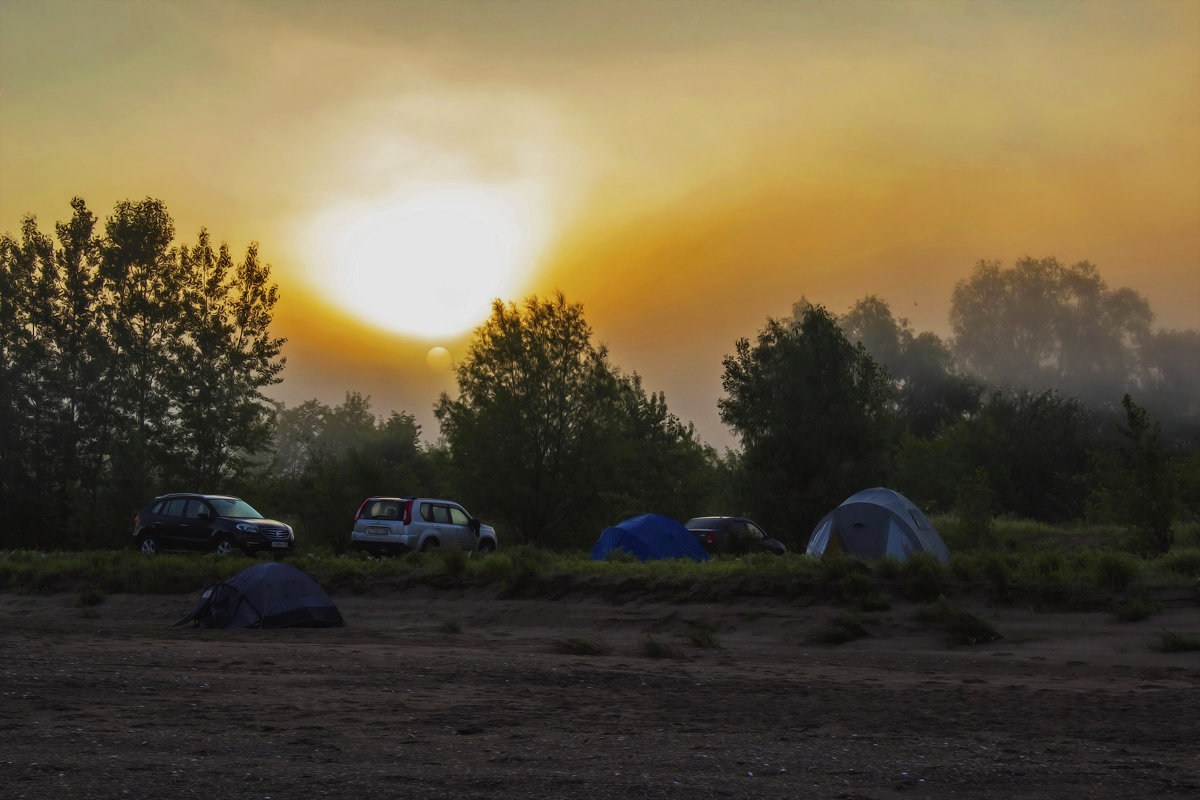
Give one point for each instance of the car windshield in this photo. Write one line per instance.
(232, 507)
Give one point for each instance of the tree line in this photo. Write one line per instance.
(127, 363)
(132, 365)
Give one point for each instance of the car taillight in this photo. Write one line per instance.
(135, 519)
(408, 512)
(710, 538)
(358, 513)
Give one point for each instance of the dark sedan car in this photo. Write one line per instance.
(734, 535)
(217, 523)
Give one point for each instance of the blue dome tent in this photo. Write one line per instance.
(874, 523)
(648, 537)
(265, 595)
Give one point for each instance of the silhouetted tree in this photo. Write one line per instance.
(546, 434)
(812, 412)
(928, 392)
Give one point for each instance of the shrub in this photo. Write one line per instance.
(839, 630)
(702, 635)
(1171, 642)
(1114, 570)
(1136, 609)
(924, 576)
(584, 646)
(652, 648)
(960, 625)
(450, 626)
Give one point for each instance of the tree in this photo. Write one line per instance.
(928, 392)
(124, 363)
(1145, 494)
(812, 412)
(1044, 325)
(551, 438)
(225, 357)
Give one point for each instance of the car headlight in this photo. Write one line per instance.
(246, 527)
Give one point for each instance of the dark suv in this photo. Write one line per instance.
(220, 523)
(734, 535)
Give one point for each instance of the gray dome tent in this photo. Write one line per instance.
(874, 523)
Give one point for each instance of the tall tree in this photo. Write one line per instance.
(534, 399)
(555, 441)
(929, 393)
(812, 412)
(225, 356)
(1042, 324)
(142, 310)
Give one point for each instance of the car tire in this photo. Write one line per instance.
(224, 546)
(486, 546)
(148, 545)
(430, 544)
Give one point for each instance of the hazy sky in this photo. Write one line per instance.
(683, 169)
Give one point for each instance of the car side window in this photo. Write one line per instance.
(175, 507)
(441, 514)
(458, 516)
(195, 508)
(427, 512)
(757, 531)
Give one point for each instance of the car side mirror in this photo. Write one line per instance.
(205, 516)
(473, 524)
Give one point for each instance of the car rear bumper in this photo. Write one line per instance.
(382, 547)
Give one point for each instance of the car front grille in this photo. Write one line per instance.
(274, 533)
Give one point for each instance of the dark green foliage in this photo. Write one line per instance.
(839, 630)
(551, 439)
(924, 576)
(329, 459)
(584, 646)
(1136, 608)
(1115, 570)
(960, 625)
(928, 393)
(975, 509)
(812, 412)
(127, 367)
(1174, 642)
(451, 626)
(702, 635)
(653, 648)
(1144, 491)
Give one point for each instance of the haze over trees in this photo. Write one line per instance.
(131, 365)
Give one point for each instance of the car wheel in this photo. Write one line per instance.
(486, 546)
(429, 544)
(148, 545)
(225, 546)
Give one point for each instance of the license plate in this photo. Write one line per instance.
(377, 530)
(279, 544)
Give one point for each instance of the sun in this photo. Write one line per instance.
(429, 260)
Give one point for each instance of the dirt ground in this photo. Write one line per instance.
(111, 702)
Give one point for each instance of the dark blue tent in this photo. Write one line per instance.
(266, 595)
(648, 537)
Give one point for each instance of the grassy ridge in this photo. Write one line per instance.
(1075, 579)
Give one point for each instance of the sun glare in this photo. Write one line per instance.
(428, 261)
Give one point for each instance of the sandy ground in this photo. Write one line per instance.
(111, 702)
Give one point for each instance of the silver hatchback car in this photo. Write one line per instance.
(396, 525)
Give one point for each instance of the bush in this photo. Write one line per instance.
(1171, 642)
(924, 576)
(839, 630)
(1114, 570)
(960, 625)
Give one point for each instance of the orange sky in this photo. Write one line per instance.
(683, 169)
